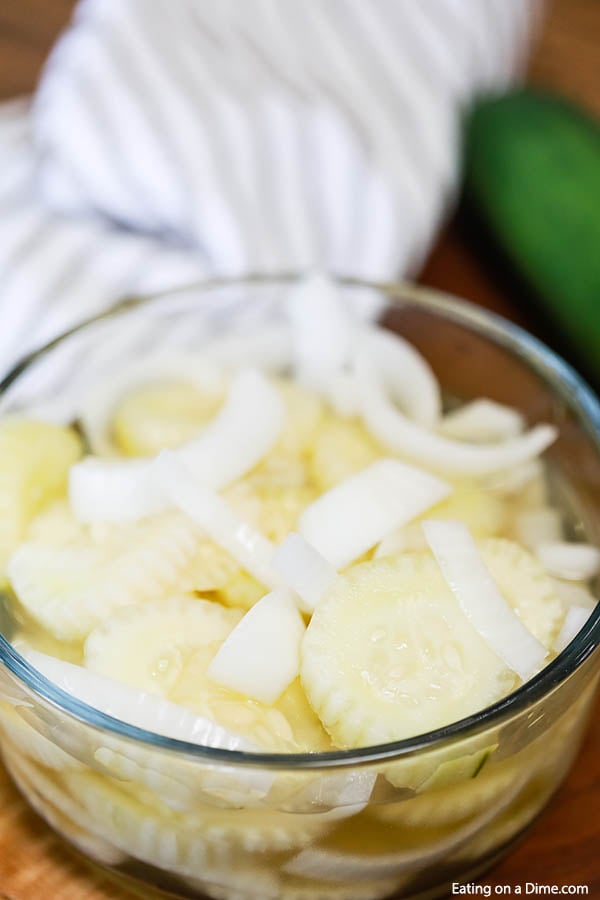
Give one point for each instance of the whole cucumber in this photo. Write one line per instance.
(532, 171)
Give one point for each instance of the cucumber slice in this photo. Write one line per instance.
(340, 450)
(389, 654)
(70, 589)
(147, 647)
(188, 842)
(29, 742)
(463, 799)
(288, 725)
(35, 458)
(164, 414)
(51, 801)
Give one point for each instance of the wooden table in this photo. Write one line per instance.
(563, 846)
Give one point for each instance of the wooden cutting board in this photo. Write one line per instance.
(562, 847)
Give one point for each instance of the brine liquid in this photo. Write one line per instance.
(403, 844)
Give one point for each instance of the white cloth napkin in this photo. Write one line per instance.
(174, 138)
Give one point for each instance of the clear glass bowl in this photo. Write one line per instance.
(184, 821)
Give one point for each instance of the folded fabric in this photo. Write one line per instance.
(168, 140)
(56, 271)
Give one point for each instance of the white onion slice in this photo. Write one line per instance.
(268, 349)
(98, 405)
(385, 421)
(237, 438)
(261, 656)
(482, 420)
(575, 619)
(240, 435)
(304, 570)
(537, 526)
(356, 514)
(135, 707)
(215, 517)
(323, 330)
(480, 598)
(110, 490)
(573, 562)
(404, 374)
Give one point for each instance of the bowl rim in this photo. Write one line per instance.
(558, 374)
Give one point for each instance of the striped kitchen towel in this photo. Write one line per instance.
(54, 270)
(168, 140)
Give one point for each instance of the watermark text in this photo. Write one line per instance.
(529, 888)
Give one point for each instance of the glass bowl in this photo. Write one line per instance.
(399, 820)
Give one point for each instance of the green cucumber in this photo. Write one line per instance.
(454, 771)
(532, 173)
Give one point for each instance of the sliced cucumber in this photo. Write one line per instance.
(389, 654)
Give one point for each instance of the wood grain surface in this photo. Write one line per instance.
(562, 847)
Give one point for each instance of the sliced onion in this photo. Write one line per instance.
(394, 429)
(215, 516)
(240, 434)
(405, 376)
(356, 514)
(110, 490)
(482, 420)
(268, 349)
(575, 619)
(323, 330)
(238, 437)
(97, 407)
(536, 526)
(480, 599)
(138, 708)
(304, 570)
(573, 562)
(261, 656)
